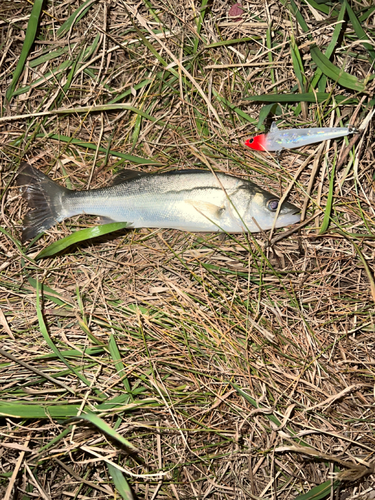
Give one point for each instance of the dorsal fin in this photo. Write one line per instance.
(274, 127)
(127, 175)
(183, 172)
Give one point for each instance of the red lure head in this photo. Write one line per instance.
(258, 142)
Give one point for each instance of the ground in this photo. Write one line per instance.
(199, 365)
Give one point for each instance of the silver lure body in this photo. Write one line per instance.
(277, 139)
(194, 200)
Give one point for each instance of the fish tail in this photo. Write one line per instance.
(44, 198)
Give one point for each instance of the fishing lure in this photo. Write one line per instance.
(277, 139)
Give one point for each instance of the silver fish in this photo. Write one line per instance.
(191, 200)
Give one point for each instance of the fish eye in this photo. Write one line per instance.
(251, 140)
(272, 205)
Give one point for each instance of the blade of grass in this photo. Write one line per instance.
(42, 81)
(60, 96)
(337, 32)
(34, 63)
(264, 112)
(359, 31)
(199, 24)
(79, 236)
(105, 428)
(300, 75)
(32, 27)
(120, 368)
(152, 11)
(36, 411)
(328, 209)
(270, 55)
(48, 340)
(297, 63)
(74, 18)
(367, 269)
(316, 97)
(120, 482)
(366, 14)
(319, 492)
(323, 63)
(234, 108)
(336, 74)
(321, 7)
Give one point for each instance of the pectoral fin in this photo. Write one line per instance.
(105, 220)
(205, 208)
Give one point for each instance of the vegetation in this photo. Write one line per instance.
(158, 364)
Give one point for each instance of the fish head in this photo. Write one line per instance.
(258, 143)
(259, 212)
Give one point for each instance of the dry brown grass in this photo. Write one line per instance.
(235, 354)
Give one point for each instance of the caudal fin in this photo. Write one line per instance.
(44, 198)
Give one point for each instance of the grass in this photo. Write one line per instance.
(161, 364)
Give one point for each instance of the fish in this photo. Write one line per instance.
(190, 200)
(277, 139)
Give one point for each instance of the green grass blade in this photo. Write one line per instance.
(336, 74)
(32, 27)
(323, 63)
(319, 492)
(234, 108)
(74, 353)
(74, 18)
(42, 81)
(319, 6)
(328, 209)
(120, 368)
(199, 24)
(366, 14)
(270, 55)
(51, 345)
(331, 47)
(316, 97)
(367, 269)
(79, 236)
(120, 482)
(68, 82)
(48, 56)
(290, 4)
(357, 26)
(32, 411)
(264, 112)
(297, 63)
(105, 428)
(49, 293)
(152, 11)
